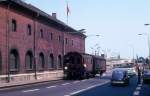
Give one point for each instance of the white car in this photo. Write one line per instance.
(131, 71)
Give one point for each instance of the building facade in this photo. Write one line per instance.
(32, 41)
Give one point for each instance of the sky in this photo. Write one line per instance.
(118, 22)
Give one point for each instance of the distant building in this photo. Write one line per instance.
(31, 41)
(114, 62)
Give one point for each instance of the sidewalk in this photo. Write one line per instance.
(23, 83)
(40, 79)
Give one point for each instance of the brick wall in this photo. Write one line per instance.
(22, 42)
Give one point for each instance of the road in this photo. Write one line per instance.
(145, 90)
(60, 88)
(108, 90)
(88, 87)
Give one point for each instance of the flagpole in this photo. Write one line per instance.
(67, 19)
(67, 9)
(66, 28)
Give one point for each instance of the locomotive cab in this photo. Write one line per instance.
(72, 65)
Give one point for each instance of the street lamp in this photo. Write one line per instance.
(148, 41)
(96, 48)
(146, 24)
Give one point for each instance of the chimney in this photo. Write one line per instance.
(54, 15)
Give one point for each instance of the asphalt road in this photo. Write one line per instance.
(60, 88)
(108, 90)
(145, 90)
(88, 87)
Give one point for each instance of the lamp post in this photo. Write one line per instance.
(95, 49)
(147, 24)
(148, 41)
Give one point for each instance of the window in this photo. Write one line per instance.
(41, 61)
(29, 61)
(51, 61)
(29, 30)
(51, 36)
(59, 61)
(41, 34)
(66, 40)
(14, 60)
(59, 38)
(72, 42)
(0, 64)
(14, 25)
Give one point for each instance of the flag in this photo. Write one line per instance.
(68, 10)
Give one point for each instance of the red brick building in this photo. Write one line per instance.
(32, 41)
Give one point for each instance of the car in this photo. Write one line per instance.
(131, 71)
(129, 67)
(146, 76)
(119, 77)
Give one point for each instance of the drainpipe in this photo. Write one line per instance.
(63, 48)
(34, 48)
(7, 42)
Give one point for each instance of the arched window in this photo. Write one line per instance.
(29, 60)
(0, 63)
(51, 61)
(14, 60)
(59, 61)
(41, 61)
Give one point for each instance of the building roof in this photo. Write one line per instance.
(42, 14)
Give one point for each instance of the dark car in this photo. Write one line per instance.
(146, 76)
(119, 77)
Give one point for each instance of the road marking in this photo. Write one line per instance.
(136, 93)
(139, 85)
(88, 88)
(76, 81)
(65, 84)
(30, 90)
(104, 74)
(138, 88)
(83, 80)
(91, 79)
(51, 87)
